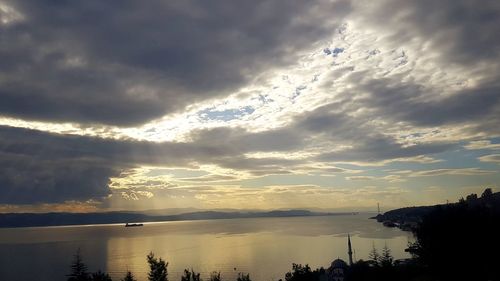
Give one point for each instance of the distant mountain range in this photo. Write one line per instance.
(58, 219)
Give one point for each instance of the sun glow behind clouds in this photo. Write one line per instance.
(318, 78)
(9, 15)
(276, 96)
(324, 125)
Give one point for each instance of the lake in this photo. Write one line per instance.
(263, 247)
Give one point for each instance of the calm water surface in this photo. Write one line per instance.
(263, 247)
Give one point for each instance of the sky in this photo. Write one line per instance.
(316, 104)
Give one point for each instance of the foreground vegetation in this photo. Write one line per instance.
(458, 241)
(158, 271)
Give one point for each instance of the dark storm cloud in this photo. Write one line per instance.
(421, 106)
(327, 120)
(240, 140)
(366, 142)
(47, 146)
(28, 180)
(44, 167)
(128, 62)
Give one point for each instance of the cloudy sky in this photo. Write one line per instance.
(247, 104)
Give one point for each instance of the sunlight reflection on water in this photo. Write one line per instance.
(263, 247)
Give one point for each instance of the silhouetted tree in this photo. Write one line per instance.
(78, 269)
(215, 276)
(303, 273)
(471, 197)
(243, 277)
(374, 256)
(360, 271)
(364, 270)
(386, 257)
(186, 276)
(457, 242)
(129, 277)
(487, 193)
(100, 276)
(157, 268)
(195, 276)
(412, 248)
(190, 276)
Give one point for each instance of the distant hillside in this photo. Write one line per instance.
(55, 219)
(408, 218)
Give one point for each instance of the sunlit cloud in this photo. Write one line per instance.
(457, 172)
(483, 144)
(389, 178)
(9, 15)
(494, 158)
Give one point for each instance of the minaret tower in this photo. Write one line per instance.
(349, 247)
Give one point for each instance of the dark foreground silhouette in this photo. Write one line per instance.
(458, 241)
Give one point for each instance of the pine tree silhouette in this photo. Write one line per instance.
(78, 269)
(129, 277)
(158, 268)
(100, 276)
(386, 257)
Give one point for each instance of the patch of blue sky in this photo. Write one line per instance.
(452, 182)
(265, 99)
(495, 140)
(458, 158)
(298, 91)
(371, 172)
(461, 158)
(227, 114)
(334, 52)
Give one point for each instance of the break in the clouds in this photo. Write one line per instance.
(331, 104)
(100, 62)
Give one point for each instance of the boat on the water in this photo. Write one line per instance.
(133, 224)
